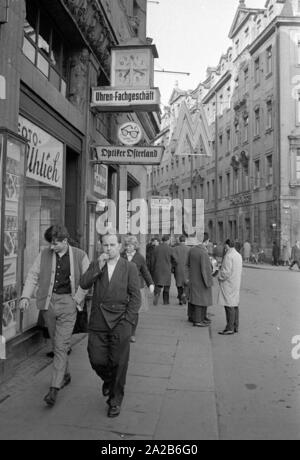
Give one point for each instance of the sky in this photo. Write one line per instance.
(190, 35)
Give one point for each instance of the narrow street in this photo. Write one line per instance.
(183, 382)
(256, 380)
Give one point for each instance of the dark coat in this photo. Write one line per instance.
(144, 274)
(115, 300)
(163, 259)
(200, 277)
(181, 253)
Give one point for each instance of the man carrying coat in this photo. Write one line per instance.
(115, 306)
(230, 277)
(200, 285)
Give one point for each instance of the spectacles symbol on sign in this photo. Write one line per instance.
(130, 133)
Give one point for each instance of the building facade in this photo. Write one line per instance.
(251, 98)
(51, 54)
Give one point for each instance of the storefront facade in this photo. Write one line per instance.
(51, 54)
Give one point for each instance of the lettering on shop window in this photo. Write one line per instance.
(44, 154)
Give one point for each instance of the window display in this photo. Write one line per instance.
(43, 196)
(12, 225)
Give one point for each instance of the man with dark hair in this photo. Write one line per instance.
(229, 278)
(163, 260)
(115, 306)
(56, 273)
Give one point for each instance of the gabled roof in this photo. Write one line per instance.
(177, 92)
(287, 10)
(241, 17)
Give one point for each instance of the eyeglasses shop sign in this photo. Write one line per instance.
(44, 154)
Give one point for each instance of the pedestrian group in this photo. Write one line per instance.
(120, 280)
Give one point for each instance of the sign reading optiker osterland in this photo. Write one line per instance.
(129, 155)
(124, 100)
(44, 154)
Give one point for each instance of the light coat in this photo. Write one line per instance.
(230, 278)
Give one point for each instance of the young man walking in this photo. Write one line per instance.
(56, 273)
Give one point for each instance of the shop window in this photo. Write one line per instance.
(43, 195)
(44, 46)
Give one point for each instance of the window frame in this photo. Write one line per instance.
(46, 57)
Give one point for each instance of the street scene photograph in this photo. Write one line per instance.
(149, 223)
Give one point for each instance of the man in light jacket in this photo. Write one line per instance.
(56, 273)
(230, 278)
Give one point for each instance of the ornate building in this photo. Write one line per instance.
(52, 52)
(251, 184)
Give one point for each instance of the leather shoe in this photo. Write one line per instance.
(113, 411)
(226, 333)
(183, 299)
(50, 398)
(201, 324)
(106, 389)
(67, 381)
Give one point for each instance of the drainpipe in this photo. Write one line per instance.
(216, 166)
(278, 94)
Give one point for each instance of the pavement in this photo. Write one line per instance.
(183, 383)
(169, 395)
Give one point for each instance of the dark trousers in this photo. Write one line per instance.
(232, 318)
(196, 313)
(166, 293)
(135, 325)
(109, 355)
(295, 262)
(182, 290)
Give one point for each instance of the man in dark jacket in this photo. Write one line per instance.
(181, 253)
(115, 305)
(163, 260)
(200, 285)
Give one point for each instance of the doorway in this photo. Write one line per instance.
(72, 195)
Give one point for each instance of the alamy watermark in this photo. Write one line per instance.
(2, 347)
(139, 217)
(296, 349)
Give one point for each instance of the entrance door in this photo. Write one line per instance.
(72, 194)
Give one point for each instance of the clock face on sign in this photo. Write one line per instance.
(132, 69)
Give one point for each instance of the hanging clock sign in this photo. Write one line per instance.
(130, 133)
(132, 81)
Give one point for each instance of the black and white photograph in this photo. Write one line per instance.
(149, 223)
